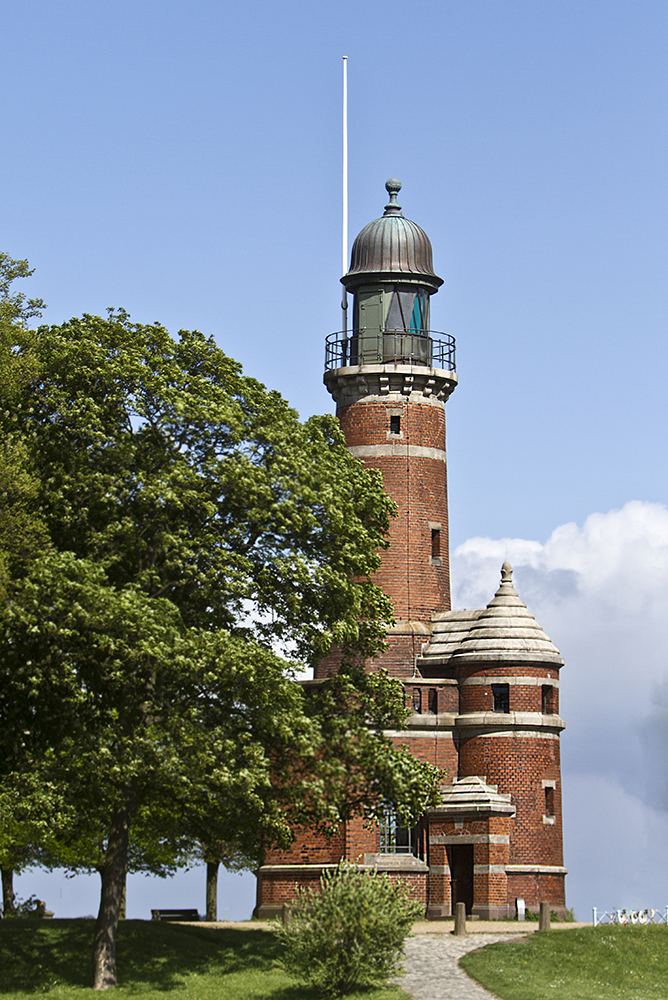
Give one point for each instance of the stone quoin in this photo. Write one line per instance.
(483, 684)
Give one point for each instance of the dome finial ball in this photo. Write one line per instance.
(393, 186)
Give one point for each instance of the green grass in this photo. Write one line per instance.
(156, 961)
(615, 963)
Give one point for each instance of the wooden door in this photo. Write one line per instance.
(460, 859)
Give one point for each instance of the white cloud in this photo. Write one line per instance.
(601, 594)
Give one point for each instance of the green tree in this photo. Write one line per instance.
(194, 524)
(21, 537)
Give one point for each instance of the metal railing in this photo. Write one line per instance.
(630, 916)
(393, 347)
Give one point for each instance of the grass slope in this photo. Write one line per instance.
(615, 963)
(154, 959)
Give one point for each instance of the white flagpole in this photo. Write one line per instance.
(344, 238)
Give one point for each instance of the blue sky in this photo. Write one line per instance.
(183, 161)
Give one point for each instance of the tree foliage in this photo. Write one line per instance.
(192, 526)
(25, 799)
(162, 463)
(21, 533)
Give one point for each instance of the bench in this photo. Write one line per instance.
(186, 915)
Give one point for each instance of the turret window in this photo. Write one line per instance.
(501, 697)
(395, 424)
(547, 698)
(433, 701)
(417, 700)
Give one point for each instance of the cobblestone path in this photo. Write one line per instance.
(432, 972)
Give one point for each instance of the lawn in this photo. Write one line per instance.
(615, 963)
(156, 961)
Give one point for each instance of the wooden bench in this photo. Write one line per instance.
(186, 915)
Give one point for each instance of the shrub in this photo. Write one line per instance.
(350, 932)
(31, 907)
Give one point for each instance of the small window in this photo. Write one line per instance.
(433, 701)
(549, 801)
(435, 543)
(547, 696)
(417, 700)
(501, 696)
(395, 839)
(395, 424)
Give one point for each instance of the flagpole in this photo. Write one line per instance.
(344, 235)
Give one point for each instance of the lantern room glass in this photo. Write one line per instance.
(391, 325)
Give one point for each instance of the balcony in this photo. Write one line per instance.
(351, 348)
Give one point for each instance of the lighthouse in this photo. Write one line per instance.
(482, 685)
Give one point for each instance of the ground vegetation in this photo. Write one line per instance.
(619, 963)
(156, 960)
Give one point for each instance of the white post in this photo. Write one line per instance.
(594, 912)
(344, 235)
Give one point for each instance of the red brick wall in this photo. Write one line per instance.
(536, 888)
(419, 487)
(523, 697)
(309, 848)
(447, 695)
(276, 888)
(361, 838)
(518, 764)
(435, 748)
(398, 658)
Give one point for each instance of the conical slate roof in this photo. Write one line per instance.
(503, 632)
(392, 248)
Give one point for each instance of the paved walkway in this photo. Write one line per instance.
(432, 972)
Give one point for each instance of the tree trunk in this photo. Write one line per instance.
(111, 897)
(8, 907)
(212, 889)
(121, 912)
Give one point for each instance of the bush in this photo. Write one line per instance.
(30, 907)
(350, 932)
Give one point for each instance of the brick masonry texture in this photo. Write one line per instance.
(282, 887)
(416, 583)
(519, 765)
(436, 748)
(534, 888)
(523, 698)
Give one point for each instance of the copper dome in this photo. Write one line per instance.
(392, 248)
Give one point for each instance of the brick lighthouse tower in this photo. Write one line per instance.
(482, 684)
(390, 377)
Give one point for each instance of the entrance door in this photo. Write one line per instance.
(460, 859)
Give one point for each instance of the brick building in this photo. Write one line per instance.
(483, 684)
